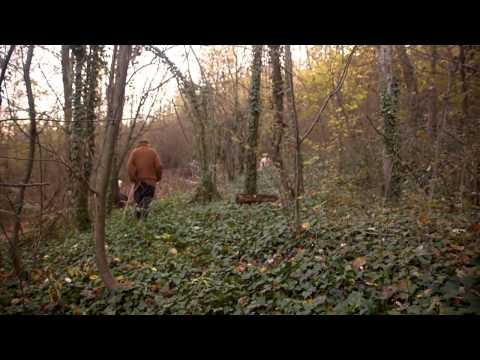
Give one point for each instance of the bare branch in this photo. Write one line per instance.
(23, 185)
(325, 103)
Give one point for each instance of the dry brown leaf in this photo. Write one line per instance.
(475, 228)
(240, 268)
(388, 292)
(403, 285)
(359, 262)
(457, 247)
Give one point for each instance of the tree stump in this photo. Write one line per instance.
(255, 198)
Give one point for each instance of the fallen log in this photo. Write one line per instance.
(255, 198)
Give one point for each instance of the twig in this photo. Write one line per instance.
(23, 185)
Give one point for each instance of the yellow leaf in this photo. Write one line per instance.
(263, 269)
(93, 277)
(306, 226)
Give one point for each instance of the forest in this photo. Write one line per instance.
(293, 180)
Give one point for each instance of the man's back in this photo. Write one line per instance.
(144, 165)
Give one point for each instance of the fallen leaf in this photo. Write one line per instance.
(240, 268)
(15, 301)
(306, 226)
(475, 228)
(359, 262)
(388, 292)
(173, 251)
(457, 247)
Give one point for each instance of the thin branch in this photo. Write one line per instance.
(374, 127)
(325, 103)
(23, 185)
(180, 123)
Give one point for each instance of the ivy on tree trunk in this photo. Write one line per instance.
(255, 103)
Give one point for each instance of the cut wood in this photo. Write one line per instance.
(255, 198)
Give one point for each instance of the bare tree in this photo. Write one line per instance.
(115, 112)
(67, 76)
(19, 200)
(4, 68)
(198, 100)
(412, 86)
(292, 112)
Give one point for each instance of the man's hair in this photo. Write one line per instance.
(143, 142)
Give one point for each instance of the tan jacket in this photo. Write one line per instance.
(144, 165)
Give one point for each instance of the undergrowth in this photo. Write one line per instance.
(354, 257)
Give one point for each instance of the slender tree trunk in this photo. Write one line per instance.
(292, 110)
(4, 68)
(78, 144)
(115, 117)
(432, 120)
(389, 108)
(255, 102)
(19, 201)
(92, 101)
(412, 86)
(67, 75)
(238, 125)
(438, 143)
(465, 129)
(114, 193)
(277, 96)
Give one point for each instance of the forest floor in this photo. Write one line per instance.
(224, 258)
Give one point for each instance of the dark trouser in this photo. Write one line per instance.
(143, 197)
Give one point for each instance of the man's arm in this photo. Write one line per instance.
(131, 168)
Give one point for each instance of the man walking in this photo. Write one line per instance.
(144, 170)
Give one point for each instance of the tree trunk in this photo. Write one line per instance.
(4, 68)
(92, 101)
(412, 86)
(389, 108)
(292, 110)
(114, 190)
(67, 76)
(277, 97)
(432, 119)
(115, 112)
(19, 201)
(78, 145)
(255, 102)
